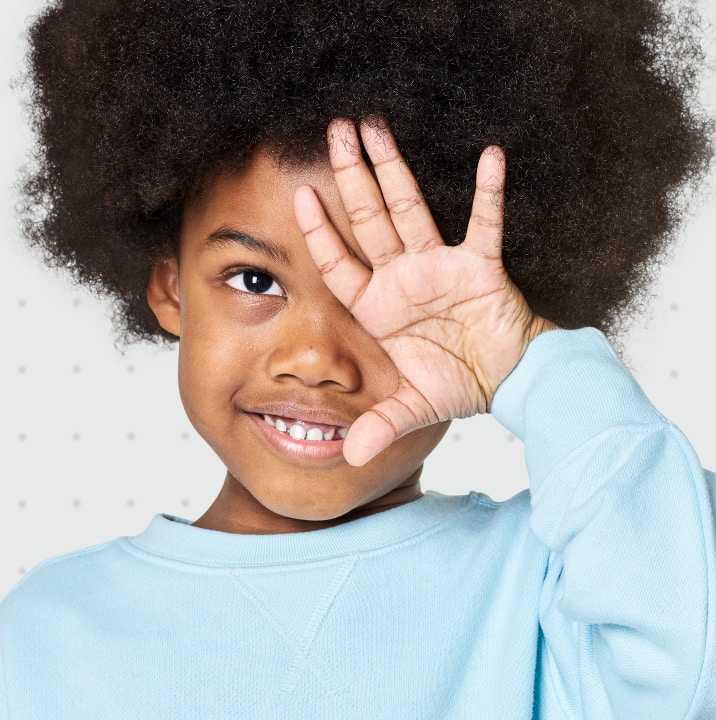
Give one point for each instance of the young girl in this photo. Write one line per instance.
(336, 305)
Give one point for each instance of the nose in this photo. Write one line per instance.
(315, 354)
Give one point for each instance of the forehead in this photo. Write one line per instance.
(261, 184)
(257, 199)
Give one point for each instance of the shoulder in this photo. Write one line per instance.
(506, 521)
(477, 510)
(57, 583)
(487, 526)
(513, 511)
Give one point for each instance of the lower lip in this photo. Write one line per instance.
(298, 449)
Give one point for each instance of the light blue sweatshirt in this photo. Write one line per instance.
(592, 597)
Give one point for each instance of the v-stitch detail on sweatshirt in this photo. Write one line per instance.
(301, 636)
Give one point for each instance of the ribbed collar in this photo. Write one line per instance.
(176, 539)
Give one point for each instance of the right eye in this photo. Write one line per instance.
(254, 281)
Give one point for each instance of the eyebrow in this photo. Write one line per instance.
(228, 236)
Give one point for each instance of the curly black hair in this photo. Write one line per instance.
(136, 103)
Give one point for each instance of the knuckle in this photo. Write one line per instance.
(494, 197)
(351, 303)
(386, 419)
(422, 242)
(391, 158)
(328, 266)
(406, 204)
(385, 258)
(486, 221)
(346, 163)
(364, 213)
(317, 228)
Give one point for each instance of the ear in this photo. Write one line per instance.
(163, 294)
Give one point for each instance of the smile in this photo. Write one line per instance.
(301, 430)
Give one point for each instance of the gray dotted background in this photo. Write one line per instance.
(94, 442)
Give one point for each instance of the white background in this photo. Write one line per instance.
(94, 442)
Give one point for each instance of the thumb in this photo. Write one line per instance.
(378, 428)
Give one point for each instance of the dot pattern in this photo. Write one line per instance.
(95, 441)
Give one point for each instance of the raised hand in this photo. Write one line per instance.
(450, 318)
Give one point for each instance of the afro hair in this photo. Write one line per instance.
(136, 103)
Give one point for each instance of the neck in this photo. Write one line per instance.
(235, 510)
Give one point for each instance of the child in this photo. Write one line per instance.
(331, 323)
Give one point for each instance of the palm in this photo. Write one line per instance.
(415, 307)
(449, 317)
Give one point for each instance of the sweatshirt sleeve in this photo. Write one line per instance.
(4, 712)
(619, 497)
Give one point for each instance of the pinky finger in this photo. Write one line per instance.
(484, 231)
(345, 276)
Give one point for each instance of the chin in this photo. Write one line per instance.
(307, 510)
(313, 514)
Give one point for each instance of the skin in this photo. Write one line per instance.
(371, 322)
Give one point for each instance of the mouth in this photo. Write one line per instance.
(307, 438)
(298, 429)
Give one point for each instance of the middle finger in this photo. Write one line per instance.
(362, 199)
(408, 210)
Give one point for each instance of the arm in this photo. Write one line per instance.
(618, 495)
(620, 498)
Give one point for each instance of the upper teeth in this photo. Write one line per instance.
(298, 431)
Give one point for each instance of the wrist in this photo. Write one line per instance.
(537, 326)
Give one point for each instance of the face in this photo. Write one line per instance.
(272, 368)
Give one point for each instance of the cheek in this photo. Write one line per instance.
(216, 358)
(425, 440)
(412, 449)
(222, 329)
(379, 375)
